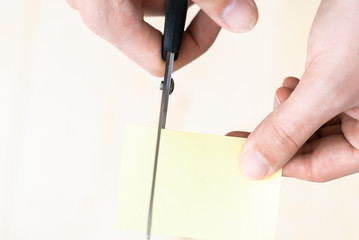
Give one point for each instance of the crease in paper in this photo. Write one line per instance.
(200, 192)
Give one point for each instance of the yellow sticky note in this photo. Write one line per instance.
(200, 192)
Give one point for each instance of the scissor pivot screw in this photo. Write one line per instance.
(172, 86)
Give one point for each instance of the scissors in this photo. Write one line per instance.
(176, 11)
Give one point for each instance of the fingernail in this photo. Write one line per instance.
(240, 15)
(276, 102)
(254, 165)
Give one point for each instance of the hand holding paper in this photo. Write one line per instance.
(200, 192)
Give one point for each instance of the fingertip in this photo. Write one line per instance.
(282, 94)
(276, 101)
(270, 145)
(240, 15)
(290, 82)
(253, 165)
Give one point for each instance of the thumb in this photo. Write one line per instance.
(275, 141)
(233, 15)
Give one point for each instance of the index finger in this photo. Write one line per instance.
(121, 23)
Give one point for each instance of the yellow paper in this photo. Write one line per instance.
(200, 192)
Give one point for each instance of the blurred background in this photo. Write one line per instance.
(66, 95)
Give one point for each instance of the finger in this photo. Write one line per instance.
(315, 136)
(238, 134)
(197, 39)
(121, 23)
(275, 141)
(330, 130)
(156, 7)
(290, 82)
(322, 160)
(331, 127)
(350, 127)
(282, 94)
(141, 42)
(233, 15)
(353, 113)
(72, 3)
(334, 121)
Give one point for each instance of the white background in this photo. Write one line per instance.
(66, 95)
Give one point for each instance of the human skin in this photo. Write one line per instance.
(121, 23)
(313, 132)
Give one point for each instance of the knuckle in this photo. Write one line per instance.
(281, 142)
(284, 137)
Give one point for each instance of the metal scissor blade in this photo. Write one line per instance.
(166, 90)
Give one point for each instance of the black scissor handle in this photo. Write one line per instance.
(176, 11)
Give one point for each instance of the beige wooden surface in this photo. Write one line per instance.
(66, 95)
